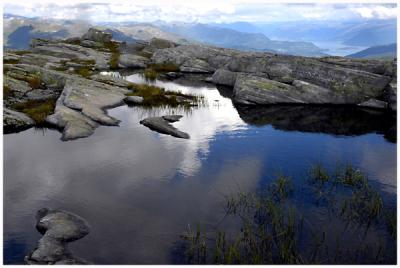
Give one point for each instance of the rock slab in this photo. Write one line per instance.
(162, 125)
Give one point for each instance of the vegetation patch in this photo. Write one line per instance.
(11, 61)
(21, 52)
(6, 91)
(84, 72)
(278, 228)
(150, 74)
(157, 96)
(38, 110)
(113, 48)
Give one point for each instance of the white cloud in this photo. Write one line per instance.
(198, 11)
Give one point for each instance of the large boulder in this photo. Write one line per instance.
(224, 77)
(333, 80)
(252, 90)
(97, 36)
(132, 61)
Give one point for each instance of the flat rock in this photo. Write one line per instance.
(14, 121)
(161, 125)
(58, 228)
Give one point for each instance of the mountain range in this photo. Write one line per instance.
(294, 38)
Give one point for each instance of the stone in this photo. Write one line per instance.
(132, 61)
(253, 90)
(374, 103)
(161, 125)
(159, 43)
(134, 100)
(341, 81)
(14, 121)
(172, 75)
(97, 36)
(58, 228)
(172, 118)
(224, 77)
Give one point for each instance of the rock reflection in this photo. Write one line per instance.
(347, 121)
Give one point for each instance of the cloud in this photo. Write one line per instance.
(198, 11)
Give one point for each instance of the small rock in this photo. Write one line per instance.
(162, 125)
(374, 103)
(134, 100)
(172, 118)
(172, 75)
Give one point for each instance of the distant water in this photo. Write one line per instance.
(139, 189)
(338, 49)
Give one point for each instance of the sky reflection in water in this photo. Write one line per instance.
(140, 189)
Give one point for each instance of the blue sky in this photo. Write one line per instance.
(198, 11)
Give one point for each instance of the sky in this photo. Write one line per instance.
(205, 11)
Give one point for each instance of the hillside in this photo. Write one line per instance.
(385, 51)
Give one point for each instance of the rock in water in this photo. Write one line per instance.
(15, 121)
(374, 103)
(58, 228)
(134, 100)
(162, 125)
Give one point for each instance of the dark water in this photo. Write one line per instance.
(139, 190)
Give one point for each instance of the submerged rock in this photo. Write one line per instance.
(58, 228)
(162, 125)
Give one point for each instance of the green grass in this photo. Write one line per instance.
(38, 110)
(319, 174)
(150, 74)
(113, 48)
(274, 230)
(84, 72)
(33, 80)
(155, 96)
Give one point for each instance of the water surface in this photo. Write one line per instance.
(139, 189)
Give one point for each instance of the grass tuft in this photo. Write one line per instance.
(156, 96)
(38, 110)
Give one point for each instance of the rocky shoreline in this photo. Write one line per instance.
(66, 71)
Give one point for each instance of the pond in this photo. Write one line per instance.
(140, 190)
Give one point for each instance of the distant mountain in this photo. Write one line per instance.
(240, 26)
(229, 38)
(385, 51)
(354, 33)
(18, 31)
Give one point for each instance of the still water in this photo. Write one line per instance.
(139, 190)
